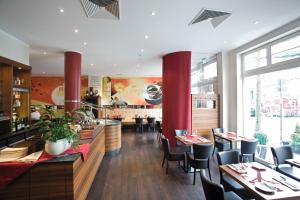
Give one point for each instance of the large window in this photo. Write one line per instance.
(271, 97)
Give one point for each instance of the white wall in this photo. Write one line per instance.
(14, 49)
(231, 97)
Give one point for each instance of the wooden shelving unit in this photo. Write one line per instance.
(205, 114)
(15, 93)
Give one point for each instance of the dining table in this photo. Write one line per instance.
(192, 139)
(232, 137)
(263, 182)
(294, 162)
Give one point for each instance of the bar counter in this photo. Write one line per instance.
(66, 177)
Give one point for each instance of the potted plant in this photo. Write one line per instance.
(56, 132)
(295, 137)
(262, 141)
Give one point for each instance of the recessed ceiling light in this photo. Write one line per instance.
(142, 50)
(44, 72)
(146, 36)
(61, 10)
(76, 30)
(19, 68)
(92, 64)
(153, 13)
(225, 42)
(44, 52)
(85, 43)
(256, 22)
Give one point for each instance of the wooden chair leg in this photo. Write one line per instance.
(194, 176)
(163, 162)
(208, 170)
(214, 151)
(167, 168)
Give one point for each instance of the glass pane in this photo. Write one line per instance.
(271, 110)
(207, 89)
(255, 60)
(210, 71)
(286, 50)
(194, 90)
(195, 77)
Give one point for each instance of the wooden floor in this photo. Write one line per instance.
(137, 174)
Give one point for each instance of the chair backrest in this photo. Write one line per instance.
(280, 154)
(217, 130)
(212, 191)
(139, 120)
(248, 147)
(202, 151)
(151, 120)
(166, 146)
(228, 157)
(180, 132)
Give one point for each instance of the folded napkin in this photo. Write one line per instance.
(237, 168)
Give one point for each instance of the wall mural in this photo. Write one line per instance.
(135, 91)
(50, 90)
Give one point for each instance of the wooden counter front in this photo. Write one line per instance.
(67, 177)
(113, 138)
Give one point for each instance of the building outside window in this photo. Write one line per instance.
(271, 95)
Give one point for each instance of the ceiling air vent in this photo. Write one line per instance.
(107, 9)
(215, 17)
(103, 3)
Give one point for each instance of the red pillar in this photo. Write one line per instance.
(72, 80)
(176, 106)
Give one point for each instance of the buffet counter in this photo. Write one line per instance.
(113, 140)
(65, 177)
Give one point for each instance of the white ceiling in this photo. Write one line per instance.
(114, 47)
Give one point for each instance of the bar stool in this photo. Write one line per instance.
(139, 124)
(151, 123)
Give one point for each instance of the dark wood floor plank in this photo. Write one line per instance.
(136, 174)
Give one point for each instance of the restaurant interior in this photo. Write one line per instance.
(146, 100)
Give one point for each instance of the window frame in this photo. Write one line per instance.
(288, 64)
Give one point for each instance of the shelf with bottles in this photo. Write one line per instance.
(19, 123)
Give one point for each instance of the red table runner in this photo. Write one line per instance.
(9, 171)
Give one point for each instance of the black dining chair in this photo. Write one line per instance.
(139, 124)
(214, 191)
(151, 123)
(220, 144)
(248, 149)
(280, 154)
(159, 130)
(200, 158)
(231, 157)
(171, 156)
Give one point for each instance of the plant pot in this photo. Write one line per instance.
(58, 147)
